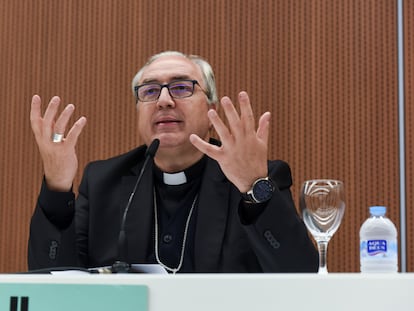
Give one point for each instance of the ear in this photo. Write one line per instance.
(213, 106)
(137, 105)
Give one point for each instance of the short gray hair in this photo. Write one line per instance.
(205, 67)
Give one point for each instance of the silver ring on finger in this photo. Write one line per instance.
(57, 138)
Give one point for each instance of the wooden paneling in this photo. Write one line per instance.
(409, 124)
(327, 70)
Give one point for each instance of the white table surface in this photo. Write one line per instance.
(338, 291)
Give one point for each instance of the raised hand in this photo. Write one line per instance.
(244, 150)
(58, 152)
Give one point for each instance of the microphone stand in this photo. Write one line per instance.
(121, 265)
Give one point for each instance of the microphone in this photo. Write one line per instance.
(121, 266)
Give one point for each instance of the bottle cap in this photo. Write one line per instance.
(377, 210)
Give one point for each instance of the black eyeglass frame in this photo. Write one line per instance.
(167, 85)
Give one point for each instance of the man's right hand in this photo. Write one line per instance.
(60, 162)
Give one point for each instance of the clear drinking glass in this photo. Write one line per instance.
(322, 206)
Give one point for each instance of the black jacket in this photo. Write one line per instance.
(226, 239)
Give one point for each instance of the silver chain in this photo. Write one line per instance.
(173, 270)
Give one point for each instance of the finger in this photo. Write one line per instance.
(63, 120)
(35, 115)
(52, 109)
(263, 128)
(221, 129)
(211, 150)
(50, 115)
(232, 116)
(246, 113)
(75, 131)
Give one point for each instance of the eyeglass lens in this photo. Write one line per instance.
(177, 89)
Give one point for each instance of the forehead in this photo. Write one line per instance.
(166, 68)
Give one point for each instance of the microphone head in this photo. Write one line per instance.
(152, 148)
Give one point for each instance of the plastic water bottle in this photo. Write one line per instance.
(378, 242)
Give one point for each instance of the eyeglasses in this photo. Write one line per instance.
(149, 92)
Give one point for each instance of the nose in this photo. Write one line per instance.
(165, 100)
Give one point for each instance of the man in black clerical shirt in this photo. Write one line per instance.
(202, 205)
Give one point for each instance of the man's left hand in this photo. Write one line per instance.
(243, 153)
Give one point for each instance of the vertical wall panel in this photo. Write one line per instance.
(327, 71)
(409, 123)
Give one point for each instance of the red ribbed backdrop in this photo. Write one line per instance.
(327, 70)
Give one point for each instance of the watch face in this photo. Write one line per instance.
(263, 190)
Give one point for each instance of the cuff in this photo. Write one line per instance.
(59, 207)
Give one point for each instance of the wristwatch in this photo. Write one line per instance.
(261, 191)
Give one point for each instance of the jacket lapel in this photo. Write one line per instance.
(212, 213)
(139, 218)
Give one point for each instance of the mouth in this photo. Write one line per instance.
(167, 121)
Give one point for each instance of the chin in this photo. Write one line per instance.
(172, 140)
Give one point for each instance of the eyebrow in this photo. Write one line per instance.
(174, 78)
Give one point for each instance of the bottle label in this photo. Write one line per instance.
(373, 249)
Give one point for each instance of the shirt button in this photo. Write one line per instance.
(167, 238)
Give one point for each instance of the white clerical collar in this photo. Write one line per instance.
(174, 179)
